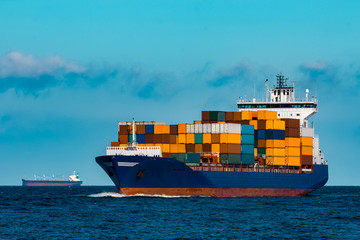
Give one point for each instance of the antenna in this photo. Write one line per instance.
(134, 136)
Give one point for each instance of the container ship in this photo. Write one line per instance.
(266, 148)
(73, 181)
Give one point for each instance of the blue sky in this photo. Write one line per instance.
(69, 70)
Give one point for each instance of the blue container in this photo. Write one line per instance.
(140, 138)
(247, 149)
(275, 134)
(192, 158)
(221, 116)
(198, 138)
(149, 129)
(247, 129)
(247, 158)
(260, 134)
(247, 139)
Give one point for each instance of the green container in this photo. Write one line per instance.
(214, 115)
(192, 158)
(255, 143)
(227, 158)
(261, 151)
(247, 158)
(198, 138)
(178, 156)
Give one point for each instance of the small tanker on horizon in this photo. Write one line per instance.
(73, 181)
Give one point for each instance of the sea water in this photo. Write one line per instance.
(101, 213)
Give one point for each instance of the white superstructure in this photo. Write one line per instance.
(282, 100)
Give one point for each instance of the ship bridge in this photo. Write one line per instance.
(282, 100)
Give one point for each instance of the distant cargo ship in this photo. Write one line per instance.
(266, 148)
(73, 181)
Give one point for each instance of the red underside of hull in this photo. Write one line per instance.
(219, 192)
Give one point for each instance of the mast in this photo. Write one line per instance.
(133, 134)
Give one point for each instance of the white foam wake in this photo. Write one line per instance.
(119, 195)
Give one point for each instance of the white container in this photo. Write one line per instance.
(234, 128)
(215, 128)
(190, 128)
(198, 128)
(307, 132)
(206, 127)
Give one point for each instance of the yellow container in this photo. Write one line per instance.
(292, 142)
(279, 125)
(246, 115)
(254, 123)
(292, 151)
(306, 141)
(197, 122)
(224, 138)
(166, 148)
(182, 138)
(280, 161)
(275, 152)
(123, 145)
(267, 115)
(272, 143)
(181, 148)
(207, 138)
(293, 161)
(190, 138)
(174, 148)
(269, 124)
(215, 147)
(181, 128)
(306, 151)
(234, 138)
(255, 152)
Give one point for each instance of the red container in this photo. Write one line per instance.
(172, 139)
(124, 130)
(205, 116)
(306, 160)
(291, 123)
(206, 147)
(292, 132)
(174, 129)
(149, 138)
(166, 138)
(229, 116)
(123, 139)
(234, 148)
(190, 148)
(140, 129)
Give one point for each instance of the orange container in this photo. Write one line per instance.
(254, 114)
(246, 115)
(140, 129)
(174, 148)
(215, 148)
(181, 128)
(123, 145)
(190, 138)
(275, 152)
(255, 152)
(223, 138)
(306, 141)
(293, 161)
(123, 139)
(292, 142)
(197, 122)
(161, 129)
(306, 151)
(272, 143)
(182, 138)
(269, 125)
(234, 138)
(207, 138)
(279, 161)
(181, 148)
(166, 148)
(292, 151)
(267, 115)
(254, 123)
(279, 125)
(115, 144)
(173, 139)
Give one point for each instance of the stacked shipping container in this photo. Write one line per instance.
(227, 137)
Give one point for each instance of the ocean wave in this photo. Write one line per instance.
(119, 195)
